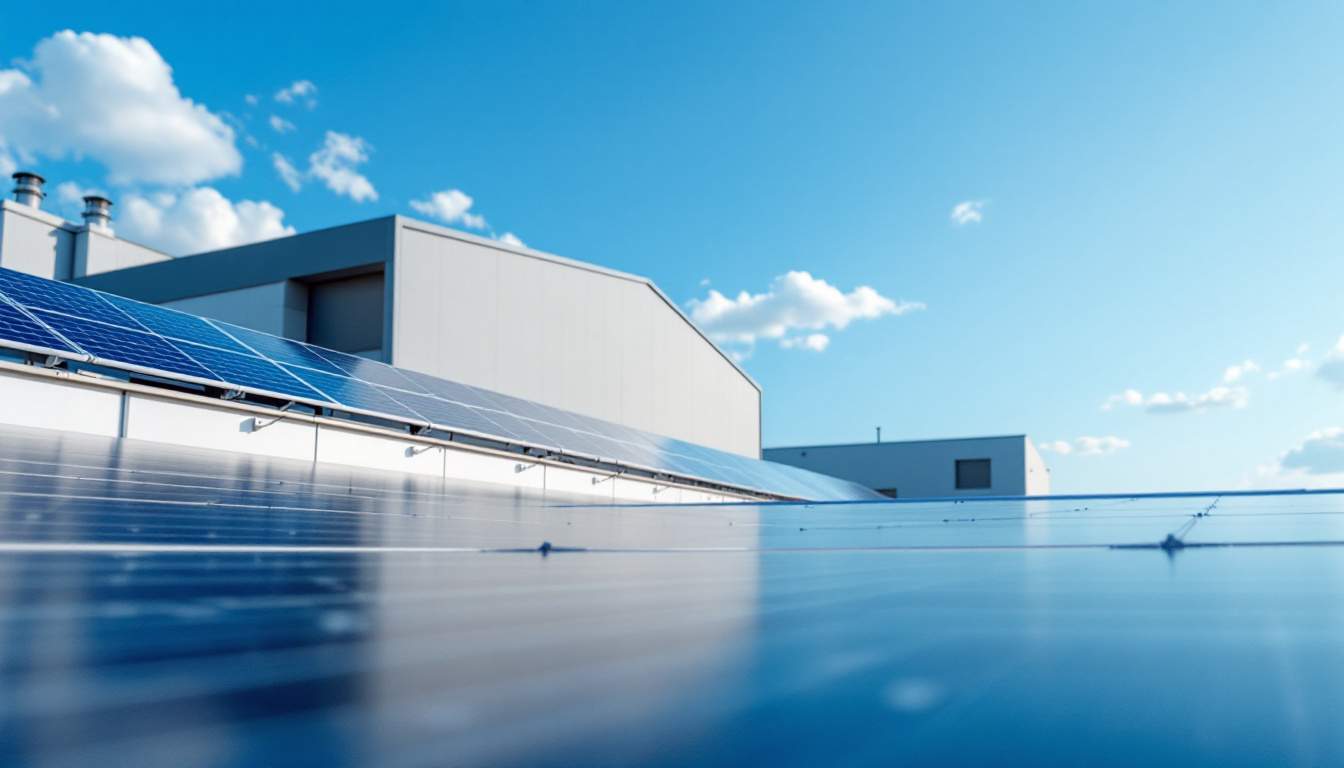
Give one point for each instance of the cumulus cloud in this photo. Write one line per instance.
(251, 99)
(817, 342)
(299, 91)
(288, 173)
(1332, 368)
(280, 124)
(968, 212)
(512, 239)
(198, 219)
(1086, 445)
(451, 206)
(335, 162)
(111, 99)
(795, 301)
(1321, 453)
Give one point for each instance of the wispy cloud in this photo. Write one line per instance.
(299, 91)
(280, 124)
(512, 239)
(288, 173)
(1180, 402)
(1234, 373)
(794, 302)
(817, 342)
(968, 212)
(111, 99)
(1086, 445)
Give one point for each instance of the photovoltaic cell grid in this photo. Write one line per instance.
(120, 332)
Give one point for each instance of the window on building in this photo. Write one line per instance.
(972, 473)
(888, 492)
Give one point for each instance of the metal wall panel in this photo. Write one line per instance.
(582, 339)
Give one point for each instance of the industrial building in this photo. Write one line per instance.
(973, 466)
(473, 310)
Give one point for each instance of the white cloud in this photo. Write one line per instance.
(111, 99)
(795, 301)
(817, 342)
(1321, 453)
(298, 91)
(512, 239)
(1236, 372)
(334, 163)
(452, 206)
(288, 173)
(1332, 368)
(7, 164)
(198, 219)
(251, 99)
(280, 124)
(968, 212)
(1180, 402)
(1086, 445)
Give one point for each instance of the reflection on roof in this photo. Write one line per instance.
(162, 606)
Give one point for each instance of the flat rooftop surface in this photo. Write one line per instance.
(165, 607)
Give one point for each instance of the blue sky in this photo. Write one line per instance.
(1157, 193)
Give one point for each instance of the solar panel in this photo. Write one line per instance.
(279, 349)
(249, 372)
(37, 293)
(123, 346)
(366, 370)
(354, 394)
(176, 325)
(15, 326)
(448, 415)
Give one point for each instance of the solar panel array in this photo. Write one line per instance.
(70, 321)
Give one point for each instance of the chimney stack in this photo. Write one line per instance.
(28, 189)
(97, 212)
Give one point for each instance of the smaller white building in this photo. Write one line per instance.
(1007, 465)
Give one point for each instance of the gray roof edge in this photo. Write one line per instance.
(435, 229)
(895, 442)
(198, 274)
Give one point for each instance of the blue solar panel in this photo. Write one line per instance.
(354, 394)
(450, 416)
(450, 390)
(15, 326)
(113, 345)
(37, 293)
(249, 372)
(176, 325)
(279, 349)
(366, 370)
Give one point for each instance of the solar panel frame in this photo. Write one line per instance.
(34, 292)
(360, 398)
(364, 369)
(108, 344)
(251, 373)
(20, 330)
(179, 326)
(278, 349)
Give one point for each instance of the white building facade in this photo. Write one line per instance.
(1008, 465)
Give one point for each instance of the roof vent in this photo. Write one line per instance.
(28, 189)
(97, 212)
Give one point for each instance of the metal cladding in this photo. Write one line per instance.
(86, 326)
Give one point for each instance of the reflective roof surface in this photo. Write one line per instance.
(163, 606)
